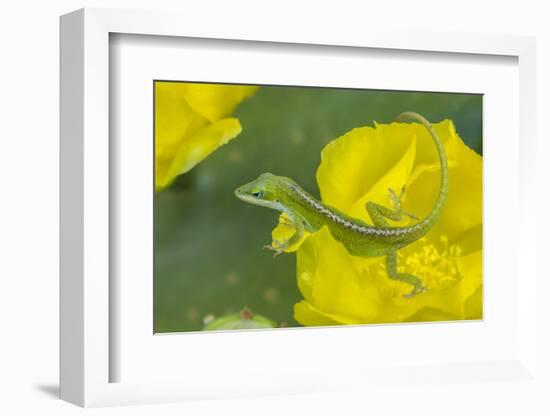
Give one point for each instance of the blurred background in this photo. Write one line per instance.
(209, 259)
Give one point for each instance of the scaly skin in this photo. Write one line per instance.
(359, 238)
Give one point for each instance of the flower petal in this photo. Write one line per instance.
(426, 153)
(353, 163)
(197, 147)
(174, 120)
(470, 240)
(310, 316)
(463, 209)
(429, 314)
(283, 231)
(331, 281)
(471, 267)
(395, 178)
(214, 101)
(473, 307)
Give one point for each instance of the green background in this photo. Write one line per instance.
(208, 245)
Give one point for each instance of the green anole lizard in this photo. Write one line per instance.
(359, 238)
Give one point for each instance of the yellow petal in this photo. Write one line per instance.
(306, 267)
(471, 267)
(214, 101)
(197, 147)
(470, 240)
(174, 120)
(473, 307)
(426, 153)
(463, 209)
(395, 178)
(335, 286)
(353, 163)
(428, 314)
(309, 316)
(283, 231)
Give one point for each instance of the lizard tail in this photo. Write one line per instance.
(444, 183)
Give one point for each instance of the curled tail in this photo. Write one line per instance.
(432, 217)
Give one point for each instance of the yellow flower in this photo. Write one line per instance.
(360, 166)
(191, 121)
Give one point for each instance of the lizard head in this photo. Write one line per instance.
(265, 191)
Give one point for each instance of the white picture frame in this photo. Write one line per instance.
(86, 292)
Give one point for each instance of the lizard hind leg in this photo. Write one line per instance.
(391, 267)
(396, 202)
(380, 214)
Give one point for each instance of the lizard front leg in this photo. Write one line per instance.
(281, 246)
(391, 267)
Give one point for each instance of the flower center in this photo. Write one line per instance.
(435, 264)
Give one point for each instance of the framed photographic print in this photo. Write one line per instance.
(270, 214)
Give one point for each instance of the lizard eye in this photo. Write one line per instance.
(257, 194)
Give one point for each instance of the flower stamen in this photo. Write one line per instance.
(435, 264)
